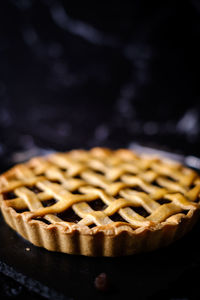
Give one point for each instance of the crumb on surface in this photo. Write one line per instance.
(101, 282)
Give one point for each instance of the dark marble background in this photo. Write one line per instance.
(77, 74)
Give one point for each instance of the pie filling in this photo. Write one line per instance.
(143, 190)
(69, 215)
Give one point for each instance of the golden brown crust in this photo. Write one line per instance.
(80, 241)
(123, 171)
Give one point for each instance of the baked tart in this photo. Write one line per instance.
(100, 202)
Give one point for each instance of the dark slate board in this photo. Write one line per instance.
(62, 276)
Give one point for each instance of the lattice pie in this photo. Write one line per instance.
(100, 202)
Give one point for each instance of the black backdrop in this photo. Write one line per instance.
(80, 74)
(76, 74)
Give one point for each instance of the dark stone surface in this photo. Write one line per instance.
(78, 74)
(162, 274)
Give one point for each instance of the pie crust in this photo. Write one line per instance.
(100, 202)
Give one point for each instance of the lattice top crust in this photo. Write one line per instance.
(101, 188)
